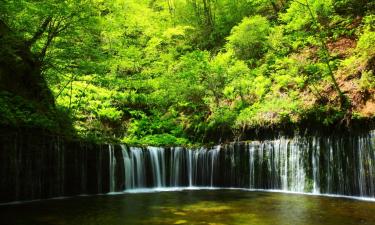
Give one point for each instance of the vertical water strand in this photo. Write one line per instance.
(366, 168)
(330, 166)
(341, 154)
(190, 166)
(233, 169)
(195, 167)
(369, 157)
(301, 172)
(286, 153)
(360, 168)
(214, 160)
(207, 167)
(269, 147)
(297, 175)
(112, 166)
(260, 166)
(138, 162)
(281, 153)
(293, 167)
(128, 169)
(267, 163)
(163, 172)
(371, 149)
(211, 159)
(251, 150)
(157, 164)
(176, 163)
(274, 165)
(279, 163)
(284, 149)
(293, 163)
(173, 167)
(201, 167)
(315, 148)
(329, 163)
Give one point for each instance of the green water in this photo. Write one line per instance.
(212, 207)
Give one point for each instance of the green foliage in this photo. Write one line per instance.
(298, 16)
(271, 112)
(154, 130)
(323, 114)
(248, 39)
(213, 20)
(367, 40)
(179, 72)
(367, 80)
(156, 140)
(19, 112)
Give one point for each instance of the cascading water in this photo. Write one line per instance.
(35, 168)
(134, 161)
(157, 157)
(335, 165)
(177, 161)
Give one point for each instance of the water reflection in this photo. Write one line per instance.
(192, 207)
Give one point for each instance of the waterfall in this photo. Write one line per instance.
(34, 168)
(134, 171)
(334, 165)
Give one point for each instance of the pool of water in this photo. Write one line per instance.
(214, 207)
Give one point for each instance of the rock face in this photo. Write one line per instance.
(35, 166)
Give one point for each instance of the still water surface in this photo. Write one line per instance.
(214, 207)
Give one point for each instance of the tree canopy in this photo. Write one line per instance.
(182, 72)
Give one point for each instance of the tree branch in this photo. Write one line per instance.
(40, 31)
(43, 52)
(327, 57)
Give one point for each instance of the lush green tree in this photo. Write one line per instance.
(316, 15)
(249, 38)
(179, 72)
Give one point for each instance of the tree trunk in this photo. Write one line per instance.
(20, 69)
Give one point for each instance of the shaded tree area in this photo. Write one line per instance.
(21, 68)
(29, 33)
